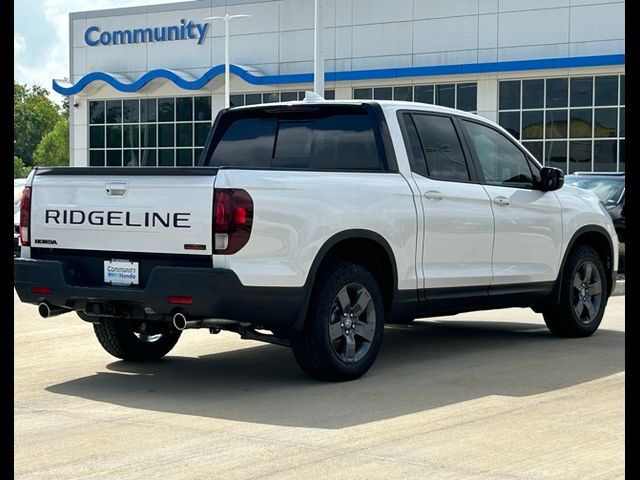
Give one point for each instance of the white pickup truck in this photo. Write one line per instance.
(313, 224)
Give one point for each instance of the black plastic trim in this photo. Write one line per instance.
(216, 293)
(397, 301)
(86, 267)
(443, 301)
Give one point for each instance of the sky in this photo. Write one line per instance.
(41, 37)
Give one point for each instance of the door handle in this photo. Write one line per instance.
(434, 195)
(502, 200)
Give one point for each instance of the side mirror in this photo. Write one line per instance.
(551, 179)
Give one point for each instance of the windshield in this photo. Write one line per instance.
(607, 189)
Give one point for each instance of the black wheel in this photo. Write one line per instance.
(582, 295)
(343, 332)
(118, 337)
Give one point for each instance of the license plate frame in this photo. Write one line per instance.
(121, 272)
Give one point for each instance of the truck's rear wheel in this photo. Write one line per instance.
(118, 337)
(583, 295)
(344, 329)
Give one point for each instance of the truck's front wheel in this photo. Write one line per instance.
(118, 337)
(344, 329)
(583, 295)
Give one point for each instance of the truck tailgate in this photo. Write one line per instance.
(127, 212)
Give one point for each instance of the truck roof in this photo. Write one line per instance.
(390, 104)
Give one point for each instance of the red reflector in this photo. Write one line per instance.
(180, 300)
(41, 290)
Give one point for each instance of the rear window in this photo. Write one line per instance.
(313, 138)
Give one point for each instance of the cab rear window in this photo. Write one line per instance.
(307, 138)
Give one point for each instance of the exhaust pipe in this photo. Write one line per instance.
(180, 322)
(47, 311)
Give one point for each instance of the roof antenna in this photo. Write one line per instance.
(312, 97)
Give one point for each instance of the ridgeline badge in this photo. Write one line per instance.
(185, 31)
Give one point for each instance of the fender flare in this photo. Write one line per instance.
(555, 293)
(322, 254)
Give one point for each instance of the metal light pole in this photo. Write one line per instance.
(226, 19)
(318, 56)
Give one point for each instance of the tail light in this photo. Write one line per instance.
(232, 220)
(25, 216)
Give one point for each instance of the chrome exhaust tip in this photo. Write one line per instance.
(44, 310)
(179, 321)
(47, 311)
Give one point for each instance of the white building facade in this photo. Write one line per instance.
(145, 83)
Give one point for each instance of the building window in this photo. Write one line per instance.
(148, 132)
(573, 123)
(463, 96)
(241, 99)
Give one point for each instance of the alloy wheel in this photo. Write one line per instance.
(352, 324)
(586, 292)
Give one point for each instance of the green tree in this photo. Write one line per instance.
(64, 109)
(20, 170)
(34, 115)
(53, 150)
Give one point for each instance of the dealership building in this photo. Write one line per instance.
(145, 83)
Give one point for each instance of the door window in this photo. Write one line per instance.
(439, 148)
(501, 162)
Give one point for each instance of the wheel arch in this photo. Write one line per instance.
(597, 237)
(354, 245)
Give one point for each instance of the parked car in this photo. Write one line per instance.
(319, 221)
(18, 186)
(610, 189)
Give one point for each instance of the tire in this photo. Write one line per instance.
(118, 338)
(343, 334)
(581, 308)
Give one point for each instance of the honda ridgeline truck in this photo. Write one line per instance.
(313, 224)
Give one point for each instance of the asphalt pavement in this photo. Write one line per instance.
(485, 395)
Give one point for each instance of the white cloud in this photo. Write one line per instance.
(56, 64)
(18, 45)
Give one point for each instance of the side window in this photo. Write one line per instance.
(502, 163)
(416, 157)
(441, 148)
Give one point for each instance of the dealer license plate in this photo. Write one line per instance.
(121, 272)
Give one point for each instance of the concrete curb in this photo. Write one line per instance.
(619, 289)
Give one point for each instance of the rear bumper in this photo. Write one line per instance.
(215, 293)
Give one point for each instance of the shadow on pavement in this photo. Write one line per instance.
(423, 366)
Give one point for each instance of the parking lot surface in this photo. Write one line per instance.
(480, 395)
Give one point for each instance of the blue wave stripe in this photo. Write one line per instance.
(488, 67)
